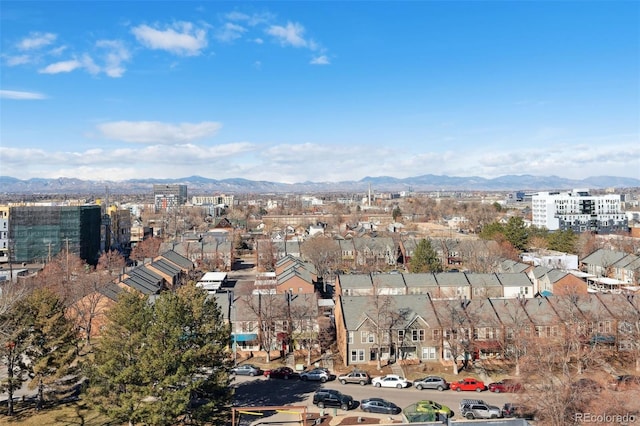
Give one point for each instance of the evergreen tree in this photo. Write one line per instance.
(491, 231)
(515, 231)
(155, 361)
(52, 344)
(396, 213)
(425, 258)
(42, 345)
(564, 241)
(117, 381)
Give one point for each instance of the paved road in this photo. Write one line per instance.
(262, 391)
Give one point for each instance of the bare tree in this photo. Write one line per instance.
(270, 311)
(62, 276)
(111, 261)
(455, 330)
(89, 306)
(266, 255)
(146, 249)
(303, 321)
(323, 252)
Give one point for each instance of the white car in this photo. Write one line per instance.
(390, 381)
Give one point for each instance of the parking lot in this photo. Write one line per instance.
(260, 391)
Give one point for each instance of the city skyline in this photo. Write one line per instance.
(319, 91)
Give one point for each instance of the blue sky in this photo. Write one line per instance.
(319, 91)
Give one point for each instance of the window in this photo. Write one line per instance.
(400, 335)
(350, 341)
(385, 337)
(357, 355)
(367, 337)
(435, 334)
(429, 352)
(417, 335)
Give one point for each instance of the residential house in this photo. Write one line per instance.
(453, 285)
(600, 262)
(627, 269)
(422, 283)
(375, 252)
(547, 282)
(516, 285)
(485, 285)
(385, 327)
(274, 322)
(513, 267)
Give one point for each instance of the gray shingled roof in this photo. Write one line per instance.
(111, 290)
(452, 279)
(513, 266)
(356, 309)
(166, 267)
(179, 260)
(388, 280)
(355, 281)
(514, 280)
(420, 280)
(603, 257)
(483, 280)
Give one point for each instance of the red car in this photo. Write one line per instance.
(280, 373)
(467, 384)
(505, 385)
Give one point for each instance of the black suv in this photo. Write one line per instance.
(333, 398)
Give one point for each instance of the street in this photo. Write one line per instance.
(260, 391)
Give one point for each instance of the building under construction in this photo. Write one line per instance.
(38, 233)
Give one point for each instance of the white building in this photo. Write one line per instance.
(579, 211)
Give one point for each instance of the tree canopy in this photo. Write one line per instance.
(425, 258)
(164, 361)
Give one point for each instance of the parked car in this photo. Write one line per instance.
(379, 405)
(625, 382)
(427, 406)
(333, 398)
(479, 409)
(514, 410)
(505, 385)
(468, 384)
(319, 374)
(246, 370)
(280, 373)
(431, 382)
(390, 381)
(356, 376)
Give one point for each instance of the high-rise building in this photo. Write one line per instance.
(4, 234)
(578, 211)
(37, 233)
(167, 197)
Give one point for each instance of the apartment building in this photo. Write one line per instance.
(579, 211)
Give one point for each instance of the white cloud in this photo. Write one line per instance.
(63, 66)
(320, 60)
(36, 40)
(14, 94)
(18, 60)
(182, 38)
(301, 162)
(251, 20)
(158, 132)
(290, 35)
(116, 54)
(258, 40)
(58, 50)
(229, 32)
